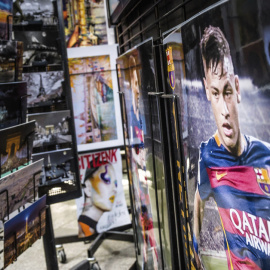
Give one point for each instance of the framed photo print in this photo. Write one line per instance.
(93, 81)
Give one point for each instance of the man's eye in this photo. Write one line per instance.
(215, 94)
(228, 93)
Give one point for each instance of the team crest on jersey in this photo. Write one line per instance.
(263, 180)
(170, 67)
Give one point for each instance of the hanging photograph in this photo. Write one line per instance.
(52, 131)
(58, 166)
(44, 88)
(10, 60)
(39, 48)
(85, 23)
(95, 97)
(137, 78)
(13, 100)
(5, 19)
(225, 82)
(102, 206)
(19, 188)
(23, 230)
(35, 13)
(16, 146)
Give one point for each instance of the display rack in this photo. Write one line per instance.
(57, 191)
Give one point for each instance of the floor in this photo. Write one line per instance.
(110, 255)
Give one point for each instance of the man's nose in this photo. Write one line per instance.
(225, 111)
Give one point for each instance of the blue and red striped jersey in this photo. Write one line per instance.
(240, 186)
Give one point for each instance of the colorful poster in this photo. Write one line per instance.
(102, 206)
(13, 99)
(5, 19)
(95, 98)
(85, 23)
(22, 231)
(226, 151)
(19, 187)
(137, 79)
(16, 146)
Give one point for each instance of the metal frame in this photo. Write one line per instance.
(127, 40)
(49, 243)
(112, 235)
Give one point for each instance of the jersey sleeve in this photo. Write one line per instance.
(204, 186)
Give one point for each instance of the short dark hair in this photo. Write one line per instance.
(214, 47)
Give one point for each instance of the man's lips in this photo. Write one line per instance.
(227, 129)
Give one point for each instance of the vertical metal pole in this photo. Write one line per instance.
(49, 243)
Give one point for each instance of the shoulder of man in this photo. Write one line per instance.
(256, 144)
(208, 146)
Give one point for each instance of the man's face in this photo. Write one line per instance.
(135, 88)
(222, 90)
(104, 186)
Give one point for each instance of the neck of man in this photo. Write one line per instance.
(240, 146)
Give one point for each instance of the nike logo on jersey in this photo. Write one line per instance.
(219, 176)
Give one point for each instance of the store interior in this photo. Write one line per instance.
(134, 134)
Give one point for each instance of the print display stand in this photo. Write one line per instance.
(46, 74)
(117, 234)
(39, 31)
(49, 241)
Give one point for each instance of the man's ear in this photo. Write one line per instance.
(206, 89)
(237, 88)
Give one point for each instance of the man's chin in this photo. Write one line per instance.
(229, 144)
